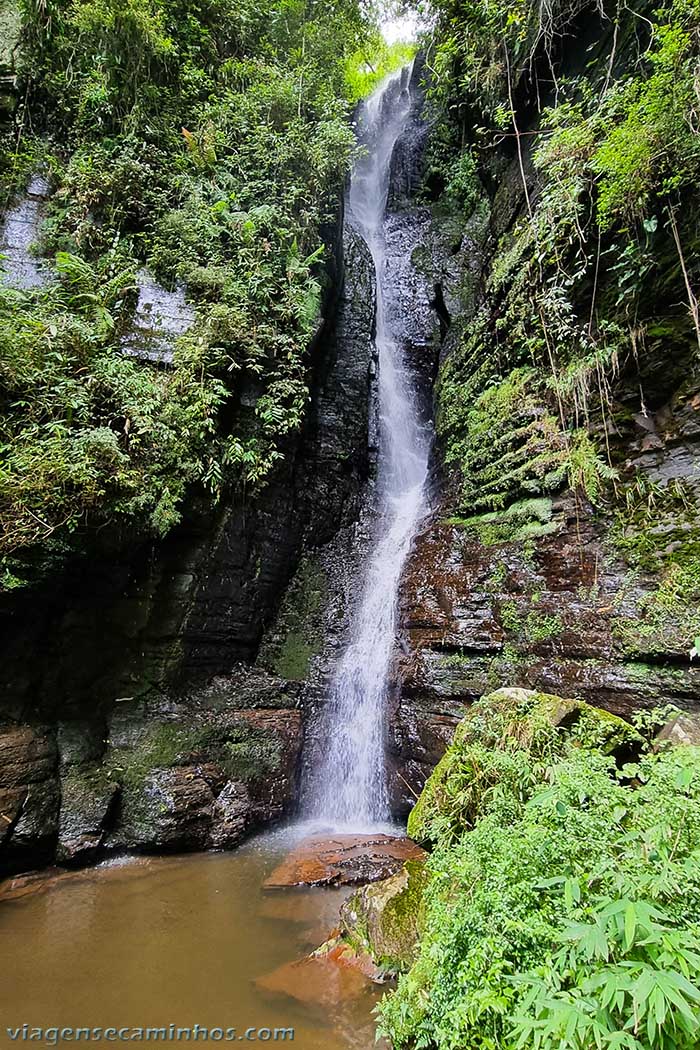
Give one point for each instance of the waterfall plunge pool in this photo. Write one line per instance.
(183, 940)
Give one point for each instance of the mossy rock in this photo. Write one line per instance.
(88, 798)
(491, 743)
(296, 636)
(529, 519)
(681, 731)
(10, 32)
(384, 919)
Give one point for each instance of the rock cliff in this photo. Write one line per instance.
(127, 720)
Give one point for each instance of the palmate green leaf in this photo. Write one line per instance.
(610, 985)
(590, 939)
(658, 994)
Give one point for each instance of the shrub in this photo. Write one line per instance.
(562, 908)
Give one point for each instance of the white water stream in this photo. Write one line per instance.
(350, 787)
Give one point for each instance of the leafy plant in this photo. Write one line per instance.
(209, 145)
(561, 905)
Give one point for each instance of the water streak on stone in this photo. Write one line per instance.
(20, 231)
(161, 316)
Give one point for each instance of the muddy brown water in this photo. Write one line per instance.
(186, 940)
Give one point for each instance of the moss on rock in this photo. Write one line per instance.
(494, 744)
(384, 919)
(298, 632)
(525, 520)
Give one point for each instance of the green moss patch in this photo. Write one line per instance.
(298, 633)
(525, 520)
(384, 919)
(497, 739)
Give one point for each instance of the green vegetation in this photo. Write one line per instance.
(507, 444)
(210, 144)
(363, 74)
(657, 524)
(561, 908)
(529, 626)
(517, 523)
(591, 278)
(667, 619)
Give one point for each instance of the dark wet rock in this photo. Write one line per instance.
(88, 800)
(408, 159)
(29, 796)
(193, 772)
(172, 809)
(342, 860)
(202, 773)
(559, 616)
(80, 742)
(230, 815)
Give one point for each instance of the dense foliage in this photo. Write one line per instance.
(601, 146)
(563, 902)
(207, 142)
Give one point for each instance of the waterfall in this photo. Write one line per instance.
(350, 786)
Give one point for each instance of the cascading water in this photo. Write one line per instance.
(349, 788)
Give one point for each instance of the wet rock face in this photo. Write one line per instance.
(29, 793)
(318, 492)
(407, 162)
(20, 231)
(195, 604)
(192, 772)
(161, 316)
(202, 771)
(560, 614)
(343, 860)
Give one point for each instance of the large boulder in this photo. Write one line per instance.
(201, 776)
(683, 730)
(504, 722)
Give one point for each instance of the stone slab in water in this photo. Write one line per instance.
(314, 982)
(343, 860)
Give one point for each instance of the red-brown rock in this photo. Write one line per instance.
(343, 860)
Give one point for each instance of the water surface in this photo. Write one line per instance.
(181, 940)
